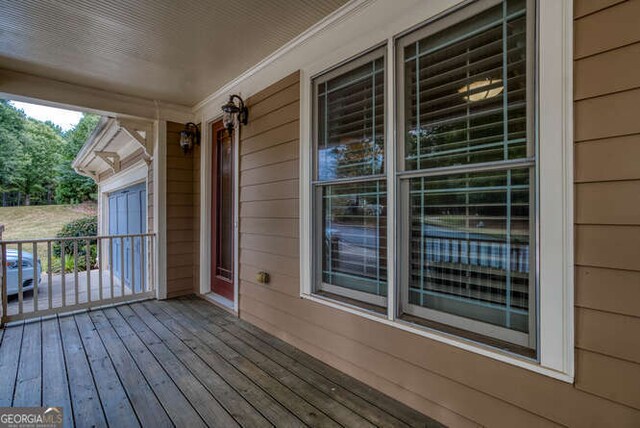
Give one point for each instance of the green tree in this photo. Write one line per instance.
(11, 147)
(72, 188)
(41, 155)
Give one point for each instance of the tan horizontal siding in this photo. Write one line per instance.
(271, 173)
(596, 332)
(607, 116)
(607, 289)
(610, 378)
(278, 245)
(270, 156)
(271, 209)
(260, 192)
(180, 215)
(426, 372)
(608, 246)
(453, 385)
(271, 226)
(279, 281)
(586, 7)
(608, 203)
(608, 29)
(608, 159)
(280, 134)
(280, 99)
(607, 208)
(622, 62)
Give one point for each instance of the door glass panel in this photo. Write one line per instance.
(224, 266)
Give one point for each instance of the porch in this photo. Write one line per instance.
(181, 362)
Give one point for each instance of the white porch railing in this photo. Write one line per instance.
(42, 277)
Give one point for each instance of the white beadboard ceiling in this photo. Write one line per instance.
(173, 51)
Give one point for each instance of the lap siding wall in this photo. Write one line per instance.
(181, 215)
(455, 386)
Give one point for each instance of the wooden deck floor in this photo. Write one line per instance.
(180, 363)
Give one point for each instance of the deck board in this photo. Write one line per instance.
(117, 408)
(180, 362)
(55, 386)
(149, 410)
(257, 397)
(197, 394)
(354, 402)
(84, 394)
(29, 381)
(307, 390)
(9, 359)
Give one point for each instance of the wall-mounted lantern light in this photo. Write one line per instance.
(189, 137)
(233, 111)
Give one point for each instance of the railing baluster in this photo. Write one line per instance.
(49, 276)
(20, 297)
(152, 276)
(143, 271)
(99, 259)
(75, 271)
(111, 265)
(87, 261)
(63, 270)
(36, 276)
(132, 246)
(5, 297)
(121, 267)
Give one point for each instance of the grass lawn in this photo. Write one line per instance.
(37, 222)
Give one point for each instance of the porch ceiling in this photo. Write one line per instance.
(178, 52)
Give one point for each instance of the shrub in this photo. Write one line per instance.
(87, 226)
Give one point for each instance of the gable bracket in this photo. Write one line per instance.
(142, 141)
(110, 158)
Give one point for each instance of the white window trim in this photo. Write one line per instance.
(555, 200)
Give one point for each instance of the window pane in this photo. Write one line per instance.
(465, 91)
(350, 123)
(354, 255)
(469, 246)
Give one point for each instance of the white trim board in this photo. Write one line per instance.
(160, 207)
(41, 90)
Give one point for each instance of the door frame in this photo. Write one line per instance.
(206, 174)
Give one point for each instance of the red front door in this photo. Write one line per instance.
(222, 213)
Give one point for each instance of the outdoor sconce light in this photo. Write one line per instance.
(233, 111)
(189, 137)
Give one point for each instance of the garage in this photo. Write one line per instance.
(117, 157)
(127, 216)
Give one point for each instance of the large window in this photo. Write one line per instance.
(440, 195)
(349, 185)
(467, 174)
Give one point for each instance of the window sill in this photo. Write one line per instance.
(432, 334)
